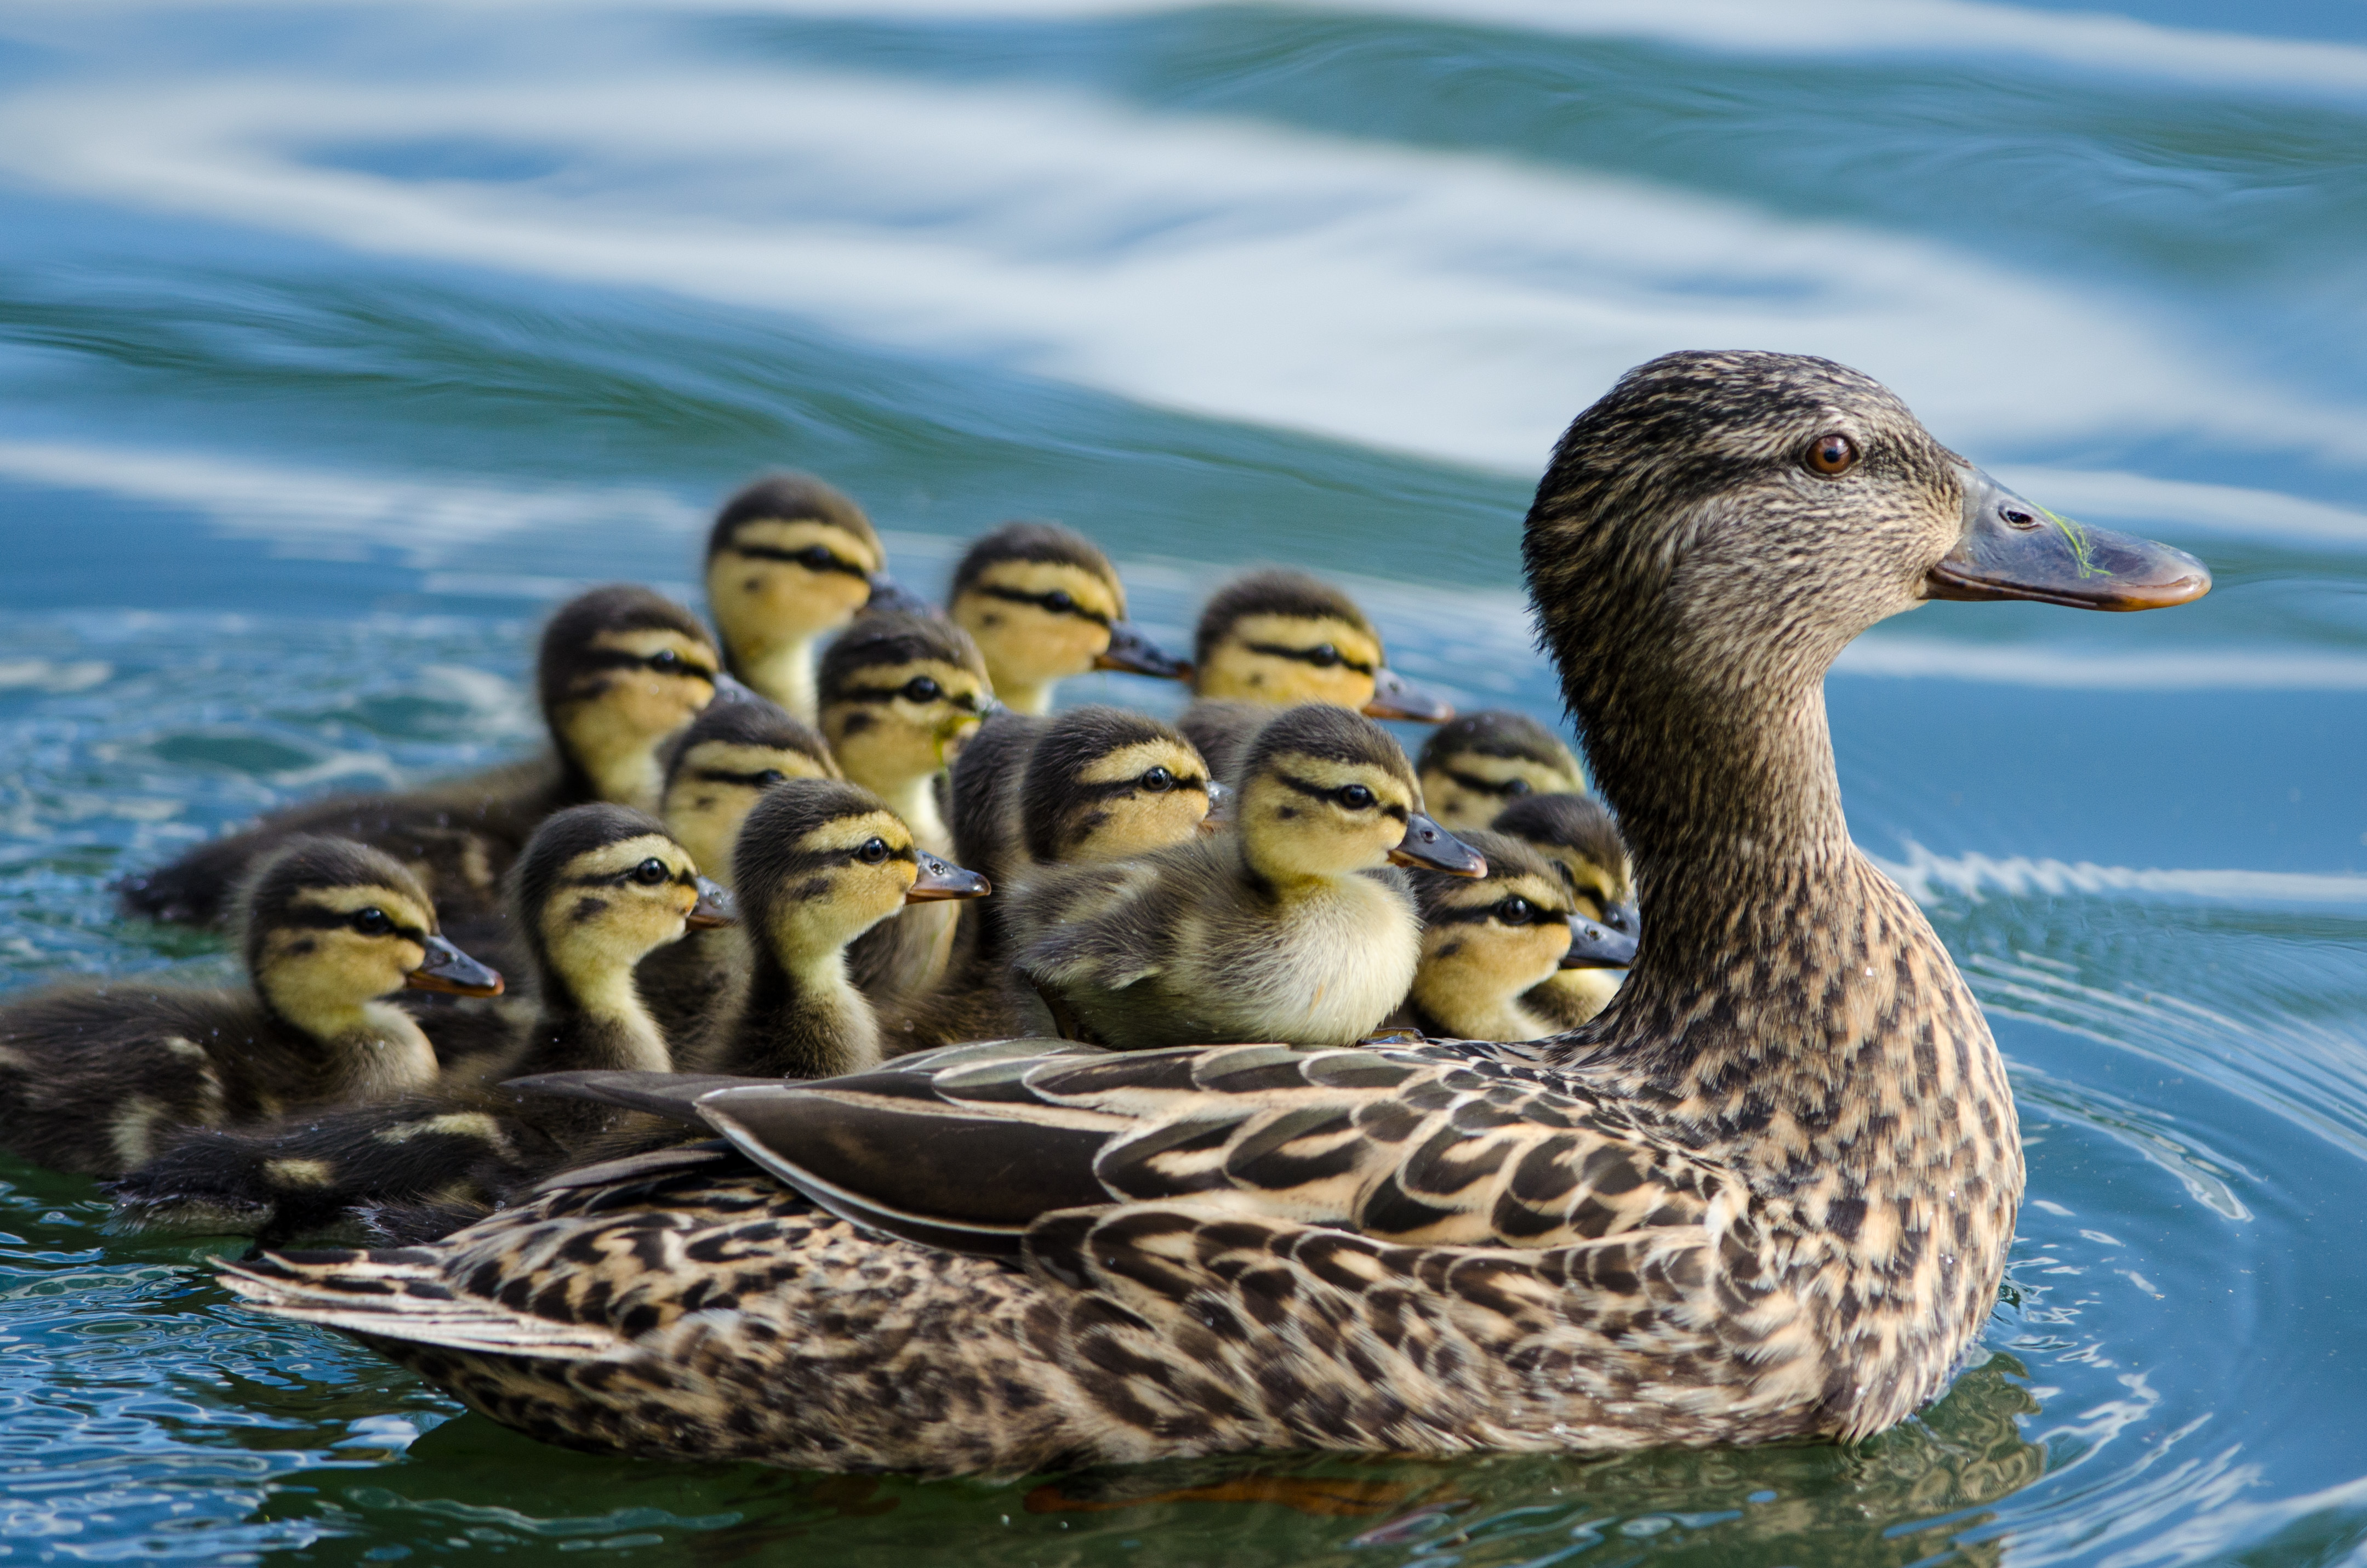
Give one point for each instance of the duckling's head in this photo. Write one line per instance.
(620, 669)
(598, 888)
(790, 559)
(1475, 763)
(327, 924)
(1325, 792)
(819, 861)
(1044, 603)
(1576, 834)
(716, 769)
(900, 693)
(1105, 783)
(1285, 637)
(1485, 940)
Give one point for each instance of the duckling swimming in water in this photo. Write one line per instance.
(1289, 927)
(1475, 764)
(1043, 604)
(789, 560)
(1578, 838)
(94, 1079)
(1766, 1195)
(620, 669)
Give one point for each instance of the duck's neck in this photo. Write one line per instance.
(914, 799)
(782, 671)
(803, 1019)
(1024, 699)
(374, 1049)
(594, 1020)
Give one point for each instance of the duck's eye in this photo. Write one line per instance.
(873, 852)
(1832, 453)
(771, 777)
(1324, 656)
(921, 688)
(651, 871)
(1355, 797)
(665, 661)
(373, 922)
(1155, 781)
(1058, 602)
(817, 558)
(1516, 787)
(1517, 911)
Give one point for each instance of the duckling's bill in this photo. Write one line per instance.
(450, 971)
(941, 879)
(1395, 697)
(1431, 846)
(715, 908)
(1131, 651)
(2012, 548)
(1598, 947)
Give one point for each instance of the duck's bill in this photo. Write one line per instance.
(715, 908)
(1433, 849)
(730, 688)
(941, 879)
(1130, 650)
(453, 973)
(1598, 947)
(2012, 548)
(1394, 696)
(889, 596)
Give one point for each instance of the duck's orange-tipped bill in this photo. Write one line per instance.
(714, 908)
(453, 973)
(2013, 550)
(941, 879)
(1394, 696)
(1132, 650)
(1433, 849)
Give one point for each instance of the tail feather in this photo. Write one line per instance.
(402, 1294)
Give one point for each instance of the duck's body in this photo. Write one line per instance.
(1045, 604)
(96, 1078)
(1578, 837)
(1476, 764)
(1766, 1195)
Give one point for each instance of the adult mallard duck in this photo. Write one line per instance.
(1766, 1194)
(1044, 604)
(1475, 764)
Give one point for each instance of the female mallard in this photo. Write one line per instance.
(1767, 1194)
(1044, 604)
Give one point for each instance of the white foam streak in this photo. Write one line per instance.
(1928, 878)
(2221, 669)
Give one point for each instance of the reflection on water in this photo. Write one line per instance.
(339, 342)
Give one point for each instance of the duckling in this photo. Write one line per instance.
(1044, 603)
(1488, 944)
(1577, 835)
(1472, 765)
(899, 696)
(715, 770)
(620, 669)
(1273, 639)
(1766, 1195)
(1273, 931)
(598, 887)
(95, 1078)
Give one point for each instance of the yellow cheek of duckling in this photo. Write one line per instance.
(307, 971)
(790, 602)
(1142, 822)
(1236, 671)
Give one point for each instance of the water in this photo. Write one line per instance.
(335, 342)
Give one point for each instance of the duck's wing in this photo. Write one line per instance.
(1398, 1145)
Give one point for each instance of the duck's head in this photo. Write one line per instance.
(601, 887)
(1044, 604)
(1285, 638)
(790, 559)
(1487, 940)
(1475, 763)
(900, 693)
(819, 861)
(716, 768)
(1577, 837)
(1106, 783)
(327, 924)
(1325, 792)
(1712, 533)
(620, 669)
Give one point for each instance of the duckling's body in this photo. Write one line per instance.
(1766, 1195)
(789, 560)
(1289, 927)
(1043, 604)
(620, 669)
(1577, 835)
(95, 1078)
(1476, 764)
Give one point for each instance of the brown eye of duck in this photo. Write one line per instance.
(373, 923)
(874, 850)
(1516, 911)
(651, 871)
(1832, 454)
(1355, 797)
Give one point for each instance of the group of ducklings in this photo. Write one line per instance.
(769, 850)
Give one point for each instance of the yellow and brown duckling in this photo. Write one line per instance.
(1289, 927)
(620, 669)
(96, 1078)
(1577, 837)
(1490, 944)
(1476, 764)
(1766, 1195)
(1043, 604)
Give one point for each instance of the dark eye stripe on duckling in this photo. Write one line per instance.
(1058, 601)
(967, 701)
(1494, 909)
(813, 556)
(763, 779)
(1331, 793)
(665, 661)
(1323, 656)
(632, 874)
(799, 863)
(1081, 791)
(1510, 787)
(315, 917)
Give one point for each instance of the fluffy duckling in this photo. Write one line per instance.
(1473, 764)
(620, 668)
(95, 1078)
(1576, 834)
(1290, 927)
(818, 863)
(1273, 639)
(789, 560)
(1488, 943)
(1044, 603)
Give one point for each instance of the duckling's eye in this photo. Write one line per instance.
(1155, 781)
(1058, 602)
(873, 851)
(1355, 797)
(373, 923)
(771, 777)
(1324, 656)
(1832, 453)
(665, 661)
(1516, 787)
(1516, 911)
(921, 688)
(651, 871)
(817, 558)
